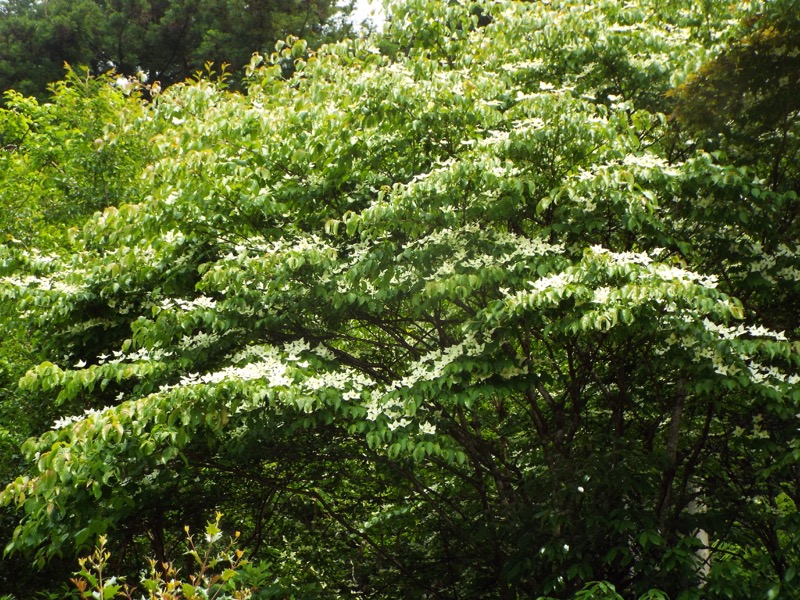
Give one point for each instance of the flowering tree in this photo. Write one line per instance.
(456, 312)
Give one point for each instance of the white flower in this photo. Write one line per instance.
(204, 302)
(351, 395)
(63, 422)
(427, 428)
(373, 410)
(558, 281)
(601, 295)
(399, 423)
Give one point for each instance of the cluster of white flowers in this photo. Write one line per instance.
(142, 354)
(432, 365)
(767, 262)
(281, 367)
(601, 295)
(274, 372)
(434, 181)
(402, 274)
(398, 409)
(255, 253)
(201, 302)
(294, 349)
(397, 423)
(510, 372)
(523, 248)
(636, 258)
(501, 169)
(198, 340)
(523, 65)
(790, 273)
(36, 259)
(448, 267)
(66, 421)
(395, 412)
(401, 73)
(258, 351)
(618, 28)
(468, 236)
(174, 236)
(443, 236)
(21, 282)
(375, 407)
(356, 253)
(721, 365)
(43, 283)
(770, 376)
(491, 103)
(650, 162)
(762, 375)
(323, 352)
(556, 280)
(730, 333)
(350, 381)
(676, 273)
(528, 247)
(499, 138)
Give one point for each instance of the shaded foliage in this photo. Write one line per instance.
(169, 40)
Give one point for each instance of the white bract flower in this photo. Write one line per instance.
(601, 295)
(427, 428)
(402, 422)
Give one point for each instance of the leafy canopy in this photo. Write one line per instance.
(464, 310)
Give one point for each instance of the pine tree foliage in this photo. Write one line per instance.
(166, 40)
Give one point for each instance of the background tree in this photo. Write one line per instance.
(169, 40)
(467, 319)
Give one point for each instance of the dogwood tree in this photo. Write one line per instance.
(466, 310)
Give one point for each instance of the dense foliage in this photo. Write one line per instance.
(489, 306)
(169, 40)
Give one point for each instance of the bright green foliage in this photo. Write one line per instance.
(63, 160)
(60, 162)
(456, 320)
